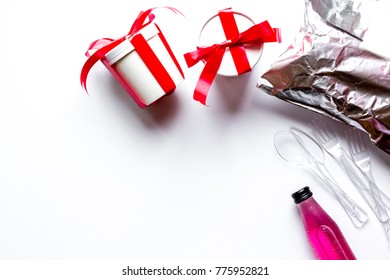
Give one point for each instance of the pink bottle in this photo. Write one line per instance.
(324, 235)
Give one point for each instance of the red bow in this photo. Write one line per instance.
(257, 34)
(102, 46)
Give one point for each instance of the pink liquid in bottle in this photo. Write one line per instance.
(324, 235)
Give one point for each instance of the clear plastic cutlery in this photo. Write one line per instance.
(361, 157)
(386, 228)
(328, 140)
(292, 148)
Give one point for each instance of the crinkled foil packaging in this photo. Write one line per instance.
(338, 65)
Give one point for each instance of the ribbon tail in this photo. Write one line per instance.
(86, 68)
(95, 57)
(207, 76)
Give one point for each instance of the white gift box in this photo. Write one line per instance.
(147, 72)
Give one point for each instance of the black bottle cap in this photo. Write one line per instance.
(301, 195)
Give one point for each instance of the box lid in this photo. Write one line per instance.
(126, 47)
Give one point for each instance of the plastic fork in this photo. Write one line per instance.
(328, 140)
(361, 157)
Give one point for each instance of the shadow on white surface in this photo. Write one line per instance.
(232, 92)
(159, 114)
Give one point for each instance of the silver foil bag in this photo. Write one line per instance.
(330, 68)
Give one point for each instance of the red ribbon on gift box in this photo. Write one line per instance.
(99, 48)
(213, 55)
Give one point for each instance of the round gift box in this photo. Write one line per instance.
(212, 33)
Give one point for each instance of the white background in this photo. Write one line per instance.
(95, 177)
